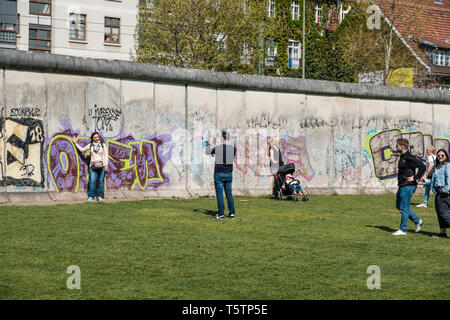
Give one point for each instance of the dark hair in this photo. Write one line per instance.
(225, 135)
(96, 133)
(403, 142)
(446, 156)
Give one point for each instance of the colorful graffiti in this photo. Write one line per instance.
(350, 177)
(24, 139)
(381, 147)
(132, 164)
(252, 154)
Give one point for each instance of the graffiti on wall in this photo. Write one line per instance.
(348, 172)
(104, 118)
(252, 155)
(381, 146)
(133, 164)
(22, 141)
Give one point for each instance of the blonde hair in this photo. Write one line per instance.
(432, 149)
(275, 141)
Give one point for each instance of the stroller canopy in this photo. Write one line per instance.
(289, 168)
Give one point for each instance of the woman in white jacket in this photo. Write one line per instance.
(97, 166)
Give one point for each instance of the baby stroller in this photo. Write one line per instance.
(283, 188)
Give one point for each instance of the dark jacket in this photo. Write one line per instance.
(224, 154)
(407, 166)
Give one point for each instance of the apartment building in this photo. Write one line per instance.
(85, 28)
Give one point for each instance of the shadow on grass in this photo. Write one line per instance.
(207, 212)
(384, 228)
(387, 229)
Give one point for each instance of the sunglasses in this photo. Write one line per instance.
(441, 155)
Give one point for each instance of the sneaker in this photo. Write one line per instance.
(231, 215)
(90, 199)
(422, 205)
(100, 199)
(218, 216)
(419, 225)
(440, 235)
(399, 233)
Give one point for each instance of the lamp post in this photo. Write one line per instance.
(303, 46)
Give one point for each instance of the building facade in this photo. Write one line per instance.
(85, 28)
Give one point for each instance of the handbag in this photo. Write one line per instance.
(97, 165)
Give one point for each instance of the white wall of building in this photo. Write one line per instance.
(95, 11)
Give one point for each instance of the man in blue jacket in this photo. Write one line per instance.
(407, 185)
(223, 172)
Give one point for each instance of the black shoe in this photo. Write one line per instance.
(218, 216)
(231, 216)
(440, 235)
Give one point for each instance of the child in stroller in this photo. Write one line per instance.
(287, 185)
(294, 184)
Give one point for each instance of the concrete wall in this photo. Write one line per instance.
(154, 119)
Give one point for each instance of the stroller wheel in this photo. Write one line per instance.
(305, 199)
(296, 199)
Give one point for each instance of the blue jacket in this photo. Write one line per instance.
(441, 178)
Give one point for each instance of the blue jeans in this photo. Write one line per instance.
(427, 187)
(296, 188)
(224, 180)
(96, 177)
(403, 202)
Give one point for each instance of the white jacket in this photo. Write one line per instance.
(102, 155)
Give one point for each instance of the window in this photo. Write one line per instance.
(342, 12)
(295, 10)
(271, 52)
(246, 6)
(220, 40)
(245, 56)
(77, 26)
(318, 16)
(39, 39)
(8, 32)
(41, 7)
(294, 54)
(271, 8)
(112, 30)
(439, 58)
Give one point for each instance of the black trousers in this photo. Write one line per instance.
(275, 181)
(442, 204)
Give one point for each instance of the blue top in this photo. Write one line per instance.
(441, 178)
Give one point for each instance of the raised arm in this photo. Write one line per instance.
(80, 148)
(211, 150)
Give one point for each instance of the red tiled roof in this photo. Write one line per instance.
(422, 20)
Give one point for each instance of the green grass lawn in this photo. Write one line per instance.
(174, 249)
